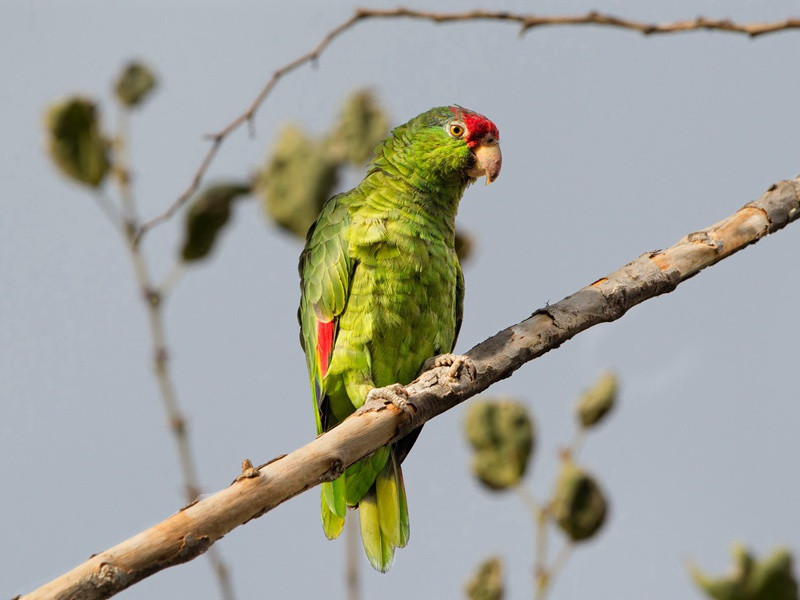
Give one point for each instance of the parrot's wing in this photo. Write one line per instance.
(325, 275)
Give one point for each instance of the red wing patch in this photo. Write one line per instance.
(325, 333)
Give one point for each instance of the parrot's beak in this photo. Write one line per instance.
(488, 160)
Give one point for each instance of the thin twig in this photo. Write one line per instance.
(172, 278)
(540, 561)
(539, 515)
(529, 500)
(553, 570)
(352, 536)
(153, 299)
(190, 532)
(110, 210)
(526, 22)
(578, 439)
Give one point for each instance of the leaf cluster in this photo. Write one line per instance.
(769, 579)
(302, 171)
(76, 141)
(501, 432)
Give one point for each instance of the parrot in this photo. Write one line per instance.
(382, 294)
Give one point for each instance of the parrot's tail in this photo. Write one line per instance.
(334, 507)
(381, 500)
(383, 512)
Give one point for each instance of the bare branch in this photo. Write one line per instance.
(192, 530)
(525, 21)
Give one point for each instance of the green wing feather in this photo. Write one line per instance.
(325, 275)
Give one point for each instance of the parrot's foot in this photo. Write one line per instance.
(394, 394)
(459, 364)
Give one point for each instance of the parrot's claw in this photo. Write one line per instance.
(459, 365)
(394, 394)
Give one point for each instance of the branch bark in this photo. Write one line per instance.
(193, 529)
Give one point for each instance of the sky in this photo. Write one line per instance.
(614, 144)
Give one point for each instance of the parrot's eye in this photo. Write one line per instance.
(456, 129)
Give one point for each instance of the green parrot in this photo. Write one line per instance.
(382, 293)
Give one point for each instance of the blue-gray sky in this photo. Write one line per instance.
(614, 144)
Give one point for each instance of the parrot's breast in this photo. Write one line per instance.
(401, 308)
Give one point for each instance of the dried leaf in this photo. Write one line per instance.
(206, 217)
(578, 504)
(465, 243)
(487, 581)
(134, 84)
(297, 180)
(502, 434)
(596, 402)
(362, 125)
(75, 142)
(770, 579)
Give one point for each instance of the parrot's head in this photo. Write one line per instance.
(481, 137)
(451, 142)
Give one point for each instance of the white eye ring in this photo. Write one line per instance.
(456, 129)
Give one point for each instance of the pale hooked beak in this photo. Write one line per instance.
(488, 160)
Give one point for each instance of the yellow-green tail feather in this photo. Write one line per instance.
(383, 513)
(361, 475)
(334, 508)
(379, 550)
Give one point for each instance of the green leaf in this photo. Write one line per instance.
(362, 125)
(296, 181)
(578, 504)
(487, 581)
(134, 84)
(75, 143)
(770, 579)
(596, 402)
(502, 434)
(206, 217)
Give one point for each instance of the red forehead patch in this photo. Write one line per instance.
(477, 125)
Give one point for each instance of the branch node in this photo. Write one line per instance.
(178, 424)
(248, 471)
(107, 574)
(702, 237)
(131, 231)
(546, 310)
(192, 492)
(152, 296)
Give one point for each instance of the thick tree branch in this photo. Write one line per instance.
(191, 531)
(526, 22)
